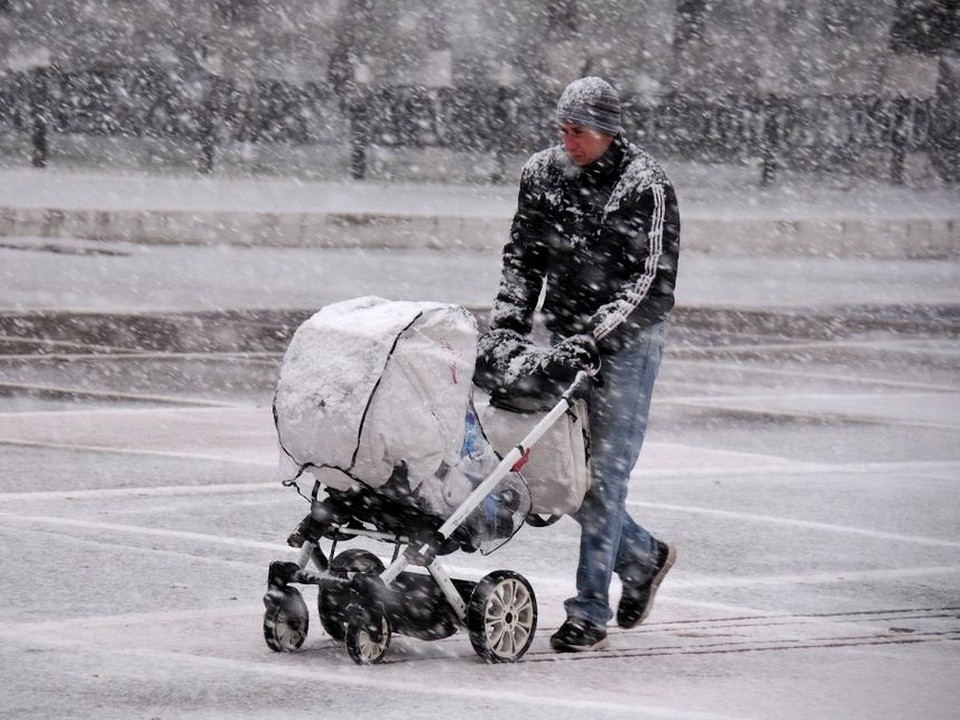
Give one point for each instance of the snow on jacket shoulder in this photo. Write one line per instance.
(604, 240)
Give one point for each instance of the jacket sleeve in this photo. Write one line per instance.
(524, 261)
(649, 229)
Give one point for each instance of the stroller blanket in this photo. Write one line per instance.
(372, 390)
(557, 471)
(518, 381)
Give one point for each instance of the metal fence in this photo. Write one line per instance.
(807, 131)
(209, 112)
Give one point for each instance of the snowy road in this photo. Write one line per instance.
(810, 482)
(99, 276)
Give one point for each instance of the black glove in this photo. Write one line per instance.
(570, 356)
(500, 355)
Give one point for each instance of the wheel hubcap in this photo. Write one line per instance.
(509, 617)
(372, 649)
(288, 630)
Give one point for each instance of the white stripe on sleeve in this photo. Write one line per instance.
(637, 291)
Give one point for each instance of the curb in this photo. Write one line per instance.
(269, 331)
(913, 238)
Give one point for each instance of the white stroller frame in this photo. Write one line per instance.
(360, 600)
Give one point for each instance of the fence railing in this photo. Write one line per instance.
(209, 112)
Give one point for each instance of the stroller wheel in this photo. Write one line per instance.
(332, 602)
(502, 616)
(367, 634)
(286, 621)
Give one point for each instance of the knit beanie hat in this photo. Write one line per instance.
(591, 102)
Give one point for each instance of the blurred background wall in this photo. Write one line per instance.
(326, 54)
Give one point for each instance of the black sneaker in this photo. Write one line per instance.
(637, 600)
(578, 635)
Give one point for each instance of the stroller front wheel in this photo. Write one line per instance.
(286, 621)
(502, 617)
(368, 634)
(332, 603)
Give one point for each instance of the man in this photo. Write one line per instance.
(597, 230)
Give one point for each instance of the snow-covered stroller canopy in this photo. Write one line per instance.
(377, 393)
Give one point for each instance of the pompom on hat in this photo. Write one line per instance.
(591, 102)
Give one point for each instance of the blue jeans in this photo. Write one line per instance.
(610, 540)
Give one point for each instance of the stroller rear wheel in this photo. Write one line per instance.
(502, 616)
(332, 602)
(368, 634)
(286, 621)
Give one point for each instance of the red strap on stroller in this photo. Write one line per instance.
(524, 456)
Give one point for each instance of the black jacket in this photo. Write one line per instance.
(604, 239)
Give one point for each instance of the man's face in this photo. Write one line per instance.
(584, 145)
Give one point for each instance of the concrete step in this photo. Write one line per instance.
(877, 221)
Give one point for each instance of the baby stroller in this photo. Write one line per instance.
(375, 404)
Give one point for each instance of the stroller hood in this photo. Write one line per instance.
(370, 388)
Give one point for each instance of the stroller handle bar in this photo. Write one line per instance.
(516, 455)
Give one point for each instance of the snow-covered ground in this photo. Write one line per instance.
(808, 482)
(806, 469)
(87, 275)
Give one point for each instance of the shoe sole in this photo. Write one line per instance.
(657, 579)
(561, 647)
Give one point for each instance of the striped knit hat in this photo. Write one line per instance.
(591, 102)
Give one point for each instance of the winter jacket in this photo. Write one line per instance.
(604, 240)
